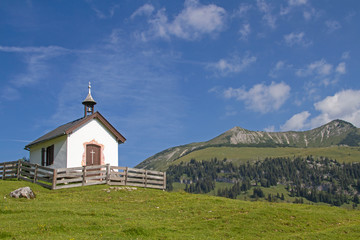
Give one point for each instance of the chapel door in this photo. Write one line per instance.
(92, 154)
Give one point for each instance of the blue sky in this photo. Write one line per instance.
(168, 73)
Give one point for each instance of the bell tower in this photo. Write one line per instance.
(89, 103)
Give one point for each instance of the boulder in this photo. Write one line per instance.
(25, 192)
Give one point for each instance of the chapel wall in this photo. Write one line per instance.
(93, 132)
(60, 152)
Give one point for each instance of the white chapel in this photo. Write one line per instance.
(90, 140)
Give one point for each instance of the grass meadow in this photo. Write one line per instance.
(98, 212)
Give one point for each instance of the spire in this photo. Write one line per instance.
(89, 87)
(89, 103)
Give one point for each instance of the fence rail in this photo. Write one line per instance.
(82, 176)
(137, 177)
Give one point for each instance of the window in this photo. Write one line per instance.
(50, 155)
(43, 156)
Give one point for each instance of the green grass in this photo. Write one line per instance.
(244, 154)
(273, 190)
(92, 213)
(179, 187)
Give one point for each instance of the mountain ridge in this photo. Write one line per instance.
(336, 132)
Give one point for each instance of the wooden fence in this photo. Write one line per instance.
(137, 177)
(82, 176)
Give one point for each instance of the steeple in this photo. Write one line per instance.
(89, 103)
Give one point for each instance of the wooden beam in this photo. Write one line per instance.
(107, 173)
(83, 175)
(54, 179)
(18, 169)
(164, 186)
(35, 173)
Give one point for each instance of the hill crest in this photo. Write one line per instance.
(317, 137)
(336, 132)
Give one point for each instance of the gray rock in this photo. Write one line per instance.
(23, 192)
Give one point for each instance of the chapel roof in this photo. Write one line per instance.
(69, 127)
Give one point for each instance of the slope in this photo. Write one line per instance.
(99, 212)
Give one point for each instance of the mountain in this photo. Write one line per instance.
(334, 133)
(337, 132)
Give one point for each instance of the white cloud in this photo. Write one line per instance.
(279, 66)
(261, 98)
(349, 17)
(345, 55)
(50, 50)
(266, 9)
(37, 62)
(343, 105)
(270, 128)
(318, 68)
(146, 9)
(242, 10)
(307, 15)
(233, 65)
(297, 2)
(292, 4)
(159, 26)
(244, 31)
(37, 68)
(310, 13)
(296, 39)
(194, 21)
(332, 25)
(285, 10)
(323, 72)
(230, 111)
(10, 94)
(296, 122)
(102, 14)
(341, 68)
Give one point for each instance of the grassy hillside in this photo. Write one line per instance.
(244, 154)
(94, 213)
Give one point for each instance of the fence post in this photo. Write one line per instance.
(54, 179)
(108, 173)
(164, 187)
(35, 173)
(145, 178)
(18, 169)
(126, 175)
(83, 175)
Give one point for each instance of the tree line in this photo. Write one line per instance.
(317, 180)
